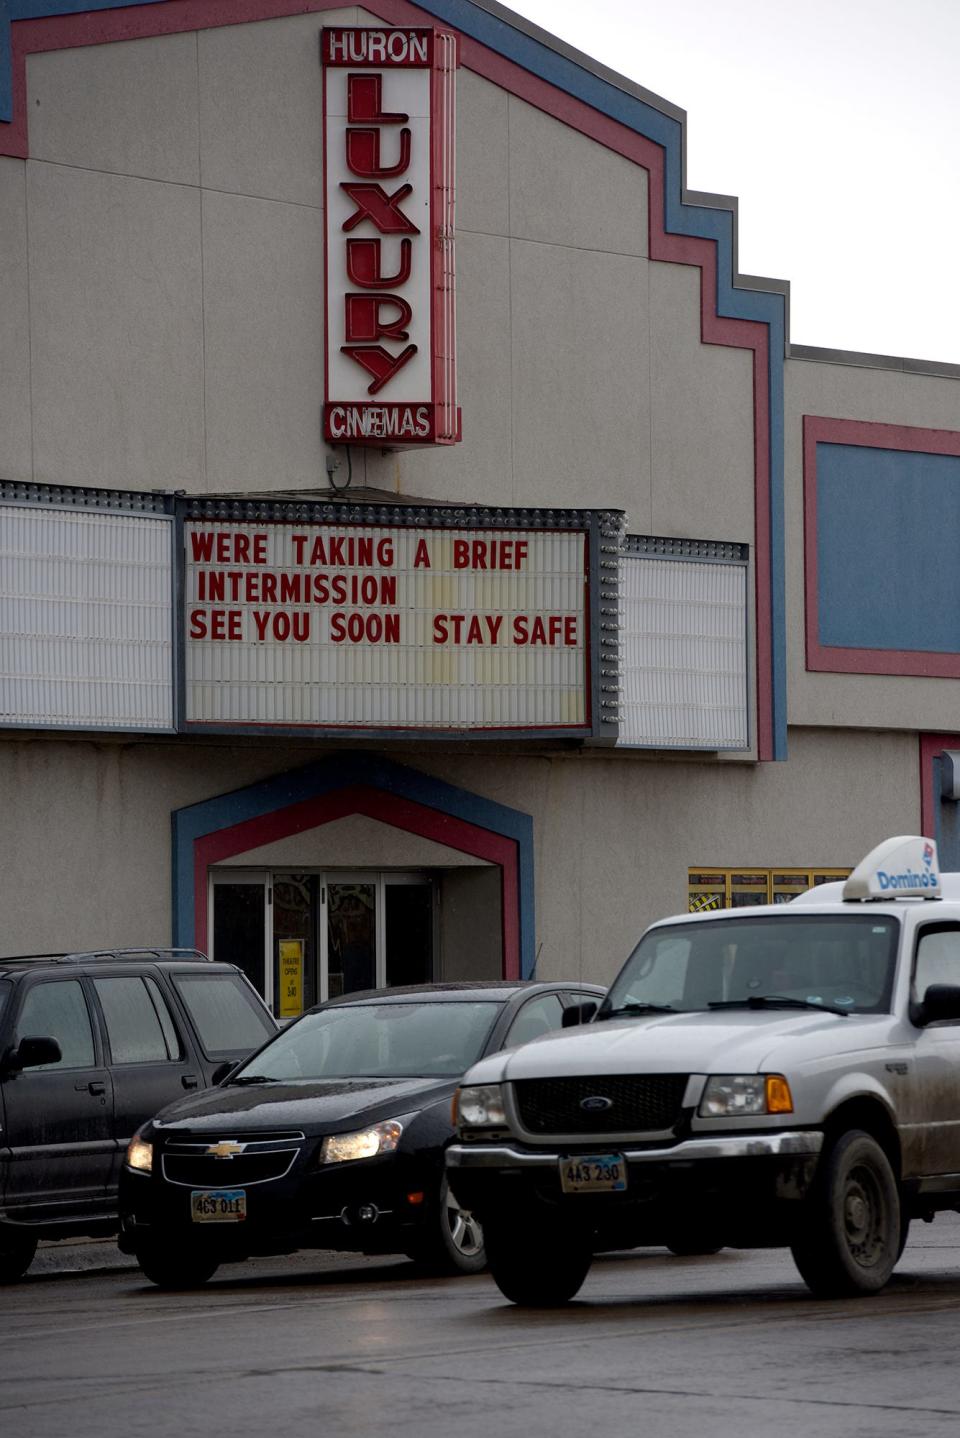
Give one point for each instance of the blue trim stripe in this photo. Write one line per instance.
(326, 777)
(42, 10)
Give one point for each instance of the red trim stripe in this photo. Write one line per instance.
(400, 813)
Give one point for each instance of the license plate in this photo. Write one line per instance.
(593, 1173)
(218, 1205)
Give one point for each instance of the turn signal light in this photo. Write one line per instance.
(414, 1198)
(779, 1097)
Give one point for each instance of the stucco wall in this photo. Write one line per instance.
(170, 221)
(85, 843)
(882, 396)
(470, 932)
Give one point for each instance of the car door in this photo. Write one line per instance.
(937, 961)
(149, 1059)
(59, 1117)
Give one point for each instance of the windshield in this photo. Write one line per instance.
(377, 1041)
(844, 962)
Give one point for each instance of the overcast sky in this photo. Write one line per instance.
(836, 123)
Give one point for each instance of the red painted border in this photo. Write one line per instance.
(834, 659)
(387, 808)
(930, 746)
(178, 16)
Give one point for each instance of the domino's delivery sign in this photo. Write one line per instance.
(905, 867)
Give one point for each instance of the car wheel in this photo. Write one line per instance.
(537, 1266)
(693, 1246)
(16, 1254)
(850, 1238)
(177, 1269)
(454, 1243)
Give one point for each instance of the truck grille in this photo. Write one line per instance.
(197, 1166)
(638, 1103)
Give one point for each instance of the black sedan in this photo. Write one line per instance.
(331, 1136)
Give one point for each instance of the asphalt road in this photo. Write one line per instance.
(656, 1346)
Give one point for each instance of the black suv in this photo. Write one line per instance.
(92, 1044)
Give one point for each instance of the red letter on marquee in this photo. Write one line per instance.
(365, 317)
(363, 264)
(363, 154)
(379, 362)
(374, 204)
(363, 102)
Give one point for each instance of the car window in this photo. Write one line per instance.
(538, 1016)
(224, 1012)
(6, 988)
(378, 1041)
(846, 960)
(938, 959)
(138, 1022)
(58, 1010)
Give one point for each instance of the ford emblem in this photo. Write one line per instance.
(595, 1103)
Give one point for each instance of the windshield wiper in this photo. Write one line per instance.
(251, 1078)
(777, 1001)
(629, 1009)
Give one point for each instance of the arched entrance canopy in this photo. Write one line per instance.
(217, 829)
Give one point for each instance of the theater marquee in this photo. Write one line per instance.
(388, 626)
(389, 139)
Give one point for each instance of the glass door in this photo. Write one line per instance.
(295, 918)
(376, 929)
(239, 901)
(349, 950)
(408, 929)
(304, 937)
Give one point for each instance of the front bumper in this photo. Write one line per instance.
(692, 1150)
(358, 1206)
(747, 1188)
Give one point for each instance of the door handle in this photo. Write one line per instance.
(95, 1087)
(189, 1080)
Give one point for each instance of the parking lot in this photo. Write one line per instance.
(656, 1345)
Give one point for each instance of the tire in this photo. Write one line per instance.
(694, 1246)
(850, 1239)
(176, 1270)
(537, 1267)
(17, 1252)
(454, 1243)
(904, 1234)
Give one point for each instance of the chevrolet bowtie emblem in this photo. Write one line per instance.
(227, 1149)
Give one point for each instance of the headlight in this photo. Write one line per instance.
(140, 1155)
(481, 1106)
(732, 1095)
(365, 1143)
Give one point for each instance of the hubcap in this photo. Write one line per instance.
(465, 1232)
(863, 1214)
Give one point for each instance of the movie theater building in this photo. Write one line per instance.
(422, 554)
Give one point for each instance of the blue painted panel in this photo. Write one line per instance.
(887, 527)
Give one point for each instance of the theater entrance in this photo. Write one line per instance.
(305, 937)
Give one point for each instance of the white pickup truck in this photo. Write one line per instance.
(785, 1075)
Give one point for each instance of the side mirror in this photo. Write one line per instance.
(32, 1052)
(222, 1072)
(941, 1001)
(576, 1014)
